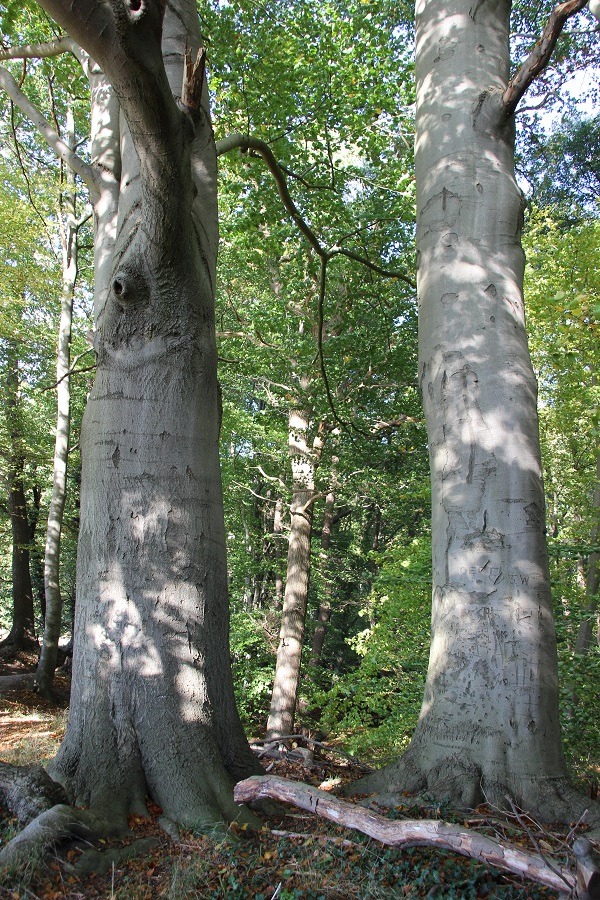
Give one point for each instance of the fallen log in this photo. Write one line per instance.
(423, 833)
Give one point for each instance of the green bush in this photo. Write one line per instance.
(375, 706)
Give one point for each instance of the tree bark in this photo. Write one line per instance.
(27, 791)
(152, 707)
(425, 833)
(277, 532)
(22, 632)
(295, 600)
(53, 609)
(489, 722)
(324, 611)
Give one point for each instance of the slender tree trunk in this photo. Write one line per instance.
(489, 721)
(53, 611)
(277, 532)
(22, 632)
(36, 561)
(293, 618)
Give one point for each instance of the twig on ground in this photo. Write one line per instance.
(270, 743)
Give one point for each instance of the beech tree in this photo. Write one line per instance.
(489, 725)
(152, 708)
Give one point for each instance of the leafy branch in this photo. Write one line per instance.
(258, 147)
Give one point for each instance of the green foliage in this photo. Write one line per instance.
(375, 706)
(562, 297)
(564, 170)
(579, 675)
(252, 658)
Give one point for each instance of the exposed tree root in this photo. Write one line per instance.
(48, 829)
(584, 879)
(42, 805)
(99, 862)
(28, 791)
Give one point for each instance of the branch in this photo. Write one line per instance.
(62, 44)
(245, 143)
(400, 422)
(246, 336)
(62, 150)
(68, 374)
(266, 742)
(386, 273)
(594, 8)
(410, 832)
(538, 59)
(272, 477)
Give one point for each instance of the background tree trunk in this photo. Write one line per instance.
(53, 607)
(22, 632)
(295, 600)
(324, 611)
(592, 581)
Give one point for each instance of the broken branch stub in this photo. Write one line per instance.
(193, 79)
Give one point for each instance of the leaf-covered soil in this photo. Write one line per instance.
(296, 855)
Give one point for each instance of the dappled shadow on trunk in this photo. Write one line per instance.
(488, 728)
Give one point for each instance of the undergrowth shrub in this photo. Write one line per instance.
(375, 706)
(253, 665)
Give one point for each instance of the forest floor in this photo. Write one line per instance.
(296, 856)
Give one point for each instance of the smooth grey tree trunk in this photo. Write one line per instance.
(277, 533)
(295, 599)
(152, 708)
(53, 609)
(489, 722)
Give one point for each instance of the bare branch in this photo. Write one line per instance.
(399, 422)
(538, 59)
(245, 143)
(62, 44)
(407, 832)
(246, 336)
(386, 273)
(62, 150)
(271, 477)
